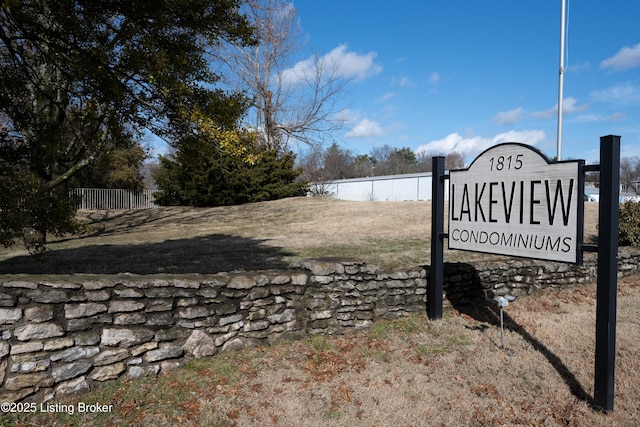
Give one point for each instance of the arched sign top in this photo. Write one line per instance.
(511, 146)
(515, 146)
(512, 200)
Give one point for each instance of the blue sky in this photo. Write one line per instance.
(463, 75)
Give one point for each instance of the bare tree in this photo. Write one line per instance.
(290, 101)
(425, 161)
(380, 156)
(630, 173)
(454, 160)
(363, 165)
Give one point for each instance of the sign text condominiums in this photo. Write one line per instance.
(513, 201)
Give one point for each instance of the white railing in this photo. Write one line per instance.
(113, 199)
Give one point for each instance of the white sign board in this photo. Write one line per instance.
(513, 201)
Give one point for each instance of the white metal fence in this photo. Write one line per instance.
(113, 199)
(415, 186)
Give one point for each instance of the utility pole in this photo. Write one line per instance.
(561, 77)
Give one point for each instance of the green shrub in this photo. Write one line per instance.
(629, 234)
(200, 174)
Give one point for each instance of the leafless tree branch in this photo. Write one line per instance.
(290, 100)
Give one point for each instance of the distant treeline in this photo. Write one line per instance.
(335, 162)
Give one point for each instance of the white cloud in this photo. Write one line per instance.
(472, 146)
(389, 111)
(434, 78)
(508, 117)
(387, 96)
(628, 150)
(589, 118)
(569, 105)
(365, 129)
(622, 94)
(546, 114)
(340, 62)
(347, 115)
(403, 81)
(578, 68)
(624, 59)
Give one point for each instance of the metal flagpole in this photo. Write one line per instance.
(561, 77)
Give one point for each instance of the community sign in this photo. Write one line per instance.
(513, 201)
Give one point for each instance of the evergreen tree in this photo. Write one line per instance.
(200, 174)
(84, 78)
(119, 167)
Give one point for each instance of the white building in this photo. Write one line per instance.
(415, 186)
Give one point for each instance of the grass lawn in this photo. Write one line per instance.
(409, 372)
(247, 237)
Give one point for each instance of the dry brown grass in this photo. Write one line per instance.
(452, 373)
(247, 237)
(410, 372)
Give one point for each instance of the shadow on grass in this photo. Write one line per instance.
(121, 223)
(474, 304)
(205, 255)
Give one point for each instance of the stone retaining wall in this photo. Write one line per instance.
(465, 283)
(65, 334)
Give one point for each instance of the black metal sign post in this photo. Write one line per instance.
(607, 249)
(607, 272)
(436, 270)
